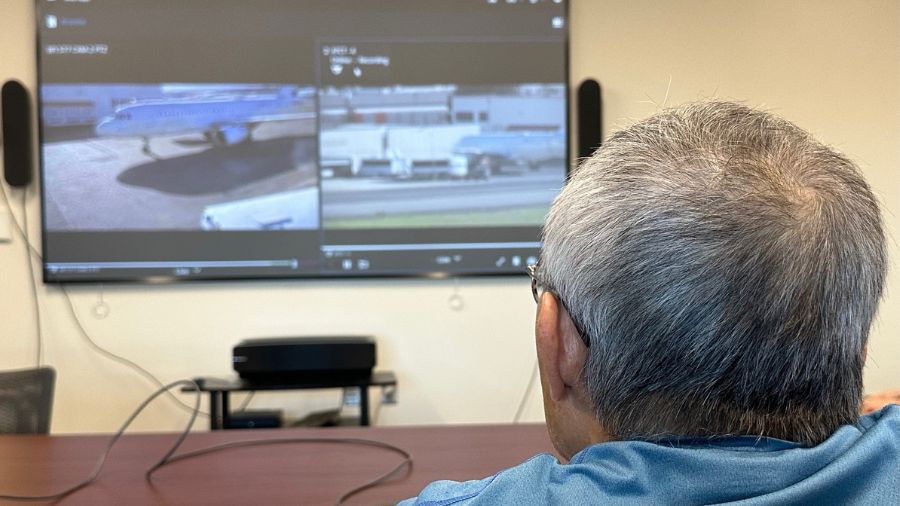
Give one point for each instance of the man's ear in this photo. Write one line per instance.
(548, 345)
(575, 352)
(561, 352)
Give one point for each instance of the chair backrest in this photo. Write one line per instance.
(26, 400)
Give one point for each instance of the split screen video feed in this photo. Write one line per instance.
(364, 145)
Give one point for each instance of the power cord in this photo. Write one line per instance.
(18, 227)
(377, 412)
(93, 345)
(246, 402)
(407, 461)
(170, 457)
(30, 250)
(93, 476)
(37, 307)
(118, 358)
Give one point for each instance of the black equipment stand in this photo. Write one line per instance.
(220, 390)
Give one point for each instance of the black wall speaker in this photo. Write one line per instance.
(590, 118)
(15, 105)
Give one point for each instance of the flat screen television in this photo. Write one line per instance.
(224, 139)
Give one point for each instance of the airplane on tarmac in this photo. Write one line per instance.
(490, 152)
(223, 120)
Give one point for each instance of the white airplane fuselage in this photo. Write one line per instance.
(221, 120)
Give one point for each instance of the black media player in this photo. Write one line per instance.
(291, 359)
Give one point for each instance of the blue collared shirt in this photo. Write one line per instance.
(858, 464)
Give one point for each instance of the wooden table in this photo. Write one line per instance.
(295, 474)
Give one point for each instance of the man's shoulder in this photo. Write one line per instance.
(857, 465)
(525, 482)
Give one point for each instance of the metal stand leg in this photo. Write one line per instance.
(364, 406)
(226, 408)
(214, 412)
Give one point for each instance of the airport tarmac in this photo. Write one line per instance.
(379, 198)
(110, 184)
(96, 183)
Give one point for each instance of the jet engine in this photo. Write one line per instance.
(230, 135)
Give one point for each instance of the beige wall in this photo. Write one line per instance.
(830, 66)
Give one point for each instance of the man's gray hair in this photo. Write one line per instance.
(726, 267)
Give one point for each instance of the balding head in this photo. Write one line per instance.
(727, 268)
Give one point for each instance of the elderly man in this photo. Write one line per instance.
(705, 294)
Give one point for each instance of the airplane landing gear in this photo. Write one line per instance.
(147, 151)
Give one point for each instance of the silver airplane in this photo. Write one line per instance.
(224, 120)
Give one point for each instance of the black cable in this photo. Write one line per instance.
(21, 232)
(246, 402)
(377, 412)
(93, 476)
(8, 205)
(34, 292)
(108, 354)
(30, 250)
(169, 457)
(527, 394)
(119, 359)
(406, 463)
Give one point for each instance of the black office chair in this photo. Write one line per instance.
(26, 400)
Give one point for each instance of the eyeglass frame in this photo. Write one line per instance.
(538, 288)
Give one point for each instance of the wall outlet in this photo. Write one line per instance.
(389, 395)
(351, 396)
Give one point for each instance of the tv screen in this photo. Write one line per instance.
(219, 139)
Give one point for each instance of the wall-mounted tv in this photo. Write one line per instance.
(220, 139)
